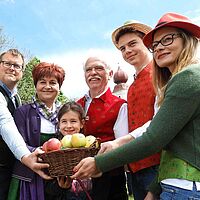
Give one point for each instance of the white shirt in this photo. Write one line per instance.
(47, 126)
(9, 131)
(121, 124)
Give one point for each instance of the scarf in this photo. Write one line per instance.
(46, 112)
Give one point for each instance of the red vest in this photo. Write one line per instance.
(102, 115)
(141, 98)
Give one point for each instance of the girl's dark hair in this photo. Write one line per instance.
(73, 106)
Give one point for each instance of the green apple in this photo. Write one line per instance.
(78, 140)
(90, 139)
(66, 141)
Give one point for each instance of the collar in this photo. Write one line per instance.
(145, 68)
(11, 93)
(104, 96)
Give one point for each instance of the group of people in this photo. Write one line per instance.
(174, 129)
(155, 131)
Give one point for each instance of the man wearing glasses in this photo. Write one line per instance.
(11, 142)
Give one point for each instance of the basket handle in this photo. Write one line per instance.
(84, 189)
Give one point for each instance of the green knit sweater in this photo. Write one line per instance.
(176, 126)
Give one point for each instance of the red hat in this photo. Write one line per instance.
(173, 20)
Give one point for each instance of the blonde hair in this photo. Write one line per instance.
(188, 56)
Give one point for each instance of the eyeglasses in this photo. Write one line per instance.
(8, 65)
(165, 41)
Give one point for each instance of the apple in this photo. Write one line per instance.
(44, 147)
(51, 145)
(78, 140)
(66, 141)
(90, 139)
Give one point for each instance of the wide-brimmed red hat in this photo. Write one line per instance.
(173, 20)
(136, 25)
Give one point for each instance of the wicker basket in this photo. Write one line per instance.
(63, 161)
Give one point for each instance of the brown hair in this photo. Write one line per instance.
(13, 52)
(44, 69)
(73, 106)
(126, 30)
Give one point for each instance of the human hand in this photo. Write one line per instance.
(64, 182)
(86, 169)
(31, 161)
(108, 146)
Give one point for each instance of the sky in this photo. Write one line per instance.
(67, 32)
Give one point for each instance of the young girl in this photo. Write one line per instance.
(70, 120)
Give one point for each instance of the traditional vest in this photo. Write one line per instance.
(173, 167)
(7, 158)
(102, 115)
(141, 98)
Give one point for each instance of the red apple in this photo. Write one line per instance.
(44, 147)
(51, 145)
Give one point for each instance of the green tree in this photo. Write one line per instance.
(62, 98)
(26, 87)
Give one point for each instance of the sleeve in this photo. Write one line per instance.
(139, 131)
(180, 104)
(121, 125)
(9, 131)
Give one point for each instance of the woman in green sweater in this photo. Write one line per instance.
(175, 129)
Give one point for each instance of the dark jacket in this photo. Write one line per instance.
(28, 123)
(54, 192)
(7, 158)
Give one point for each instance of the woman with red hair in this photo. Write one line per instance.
(37, 123)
